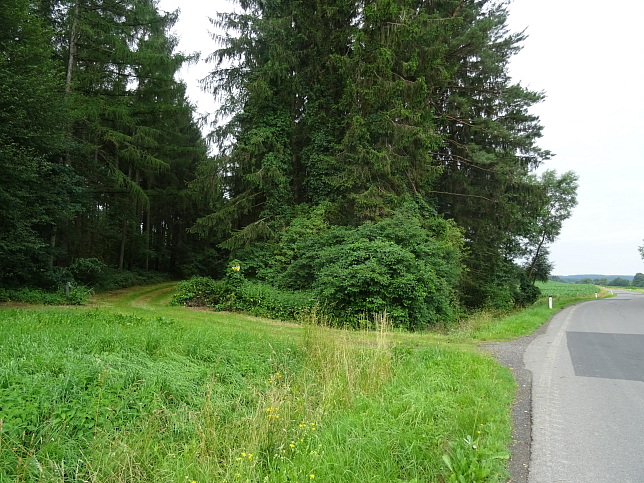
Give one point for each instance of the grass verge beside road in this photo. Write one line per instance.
(495, 327)
(133, 390)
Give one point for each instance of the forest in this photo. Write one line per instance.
(368, 155)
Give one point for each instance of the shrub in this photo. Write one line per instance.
(527, 293)
(264, 300)
(238, 294)
(404, 265)
(78, 295)
(374, 276)
(88, 271)
(199, 292)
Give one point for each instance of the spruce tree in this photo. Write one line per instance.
(36, 191)
(128, 110)
(362, 110)
(489, 150)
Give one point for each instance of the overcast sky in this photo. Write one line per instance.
(588, 57)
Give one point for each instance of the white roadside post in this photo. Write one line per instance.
(550, 301)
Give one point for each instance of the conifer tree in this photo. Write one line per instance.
(362, 109)
(36, 192)
(127, 108)
(489, 150)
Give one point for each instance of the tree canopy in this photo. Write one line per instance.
(406, 107)
(97, 139)
(375, 153)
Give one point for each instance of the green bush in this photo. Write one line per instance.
(404, 265)
(235, 293)
(527, 292)
(88, 271)
(264, 300)
(78, 295)
(199, 292)
(367, 277)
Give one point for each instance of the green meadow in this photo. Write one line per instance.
(129, 389)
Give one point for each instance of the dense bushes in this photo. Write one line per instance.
(255, 298)
(78, 295)
(84, 275)
(404, 265)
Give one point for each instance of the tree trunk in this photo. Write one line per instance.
(52, 245)
(536, 256)
(123, 238)
(73, 52)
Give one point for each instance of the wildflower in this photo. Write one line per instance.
(272, 413)
(311, 476)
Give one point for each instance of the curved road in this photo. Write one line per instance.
(588, 394)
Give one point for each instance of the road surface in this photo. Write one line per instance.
(588, 394)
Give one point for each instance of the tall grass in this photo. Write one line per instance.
(131, 392)
(494, 326)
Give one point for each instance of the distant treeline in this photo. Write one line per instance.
(636, 280)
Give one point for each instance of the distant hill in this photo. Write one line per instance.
(592, 276)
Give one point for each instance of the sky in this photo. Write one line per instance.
(588, 58)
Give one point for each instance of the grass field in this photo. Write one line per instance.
(561, 289)
(132, 390)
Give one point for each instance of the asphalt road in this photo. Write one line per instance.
(588, 394)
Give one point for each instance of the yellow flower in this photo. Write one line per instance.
(311, 476)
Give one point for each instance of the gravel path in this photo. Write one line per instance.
(510, 354)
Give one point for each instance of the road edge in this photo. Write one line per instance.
(510, 354)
